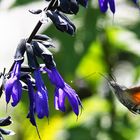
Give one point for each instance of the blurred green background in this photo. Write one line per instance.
(104, 43)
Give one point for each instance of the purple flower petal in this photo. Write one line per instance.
(16, 93)
(8, 88)
(55, 77)
(72, 97)
(59, 100)
(38, 79)
(41, 96)
(13, 85)
(103, 5)
(112, 5)
(41, 104)
(60, 96)
(32, 103)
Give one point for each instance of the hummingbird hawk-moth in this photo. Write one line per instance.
(129, 97)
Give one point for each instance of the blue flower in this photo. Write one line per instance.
(32, 102)
(60, 96)
(13, 85)
(63, 90)
(41, 96)
(103, 4)
(31, 95)
(55, 77)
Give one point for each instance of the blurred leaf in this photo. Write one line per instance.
(22, 2)
(91, 106)
(117, 37)
(47, 130)
(92, 62)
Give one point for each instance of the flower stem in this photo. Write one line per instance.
(37, 27)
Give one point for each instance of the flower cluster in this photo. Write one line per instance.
(30, 77)
(20, 78)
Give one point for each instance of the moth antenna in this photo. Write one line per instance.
(106, 77)
(112, 77)
(88, 76)
(85, 77)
